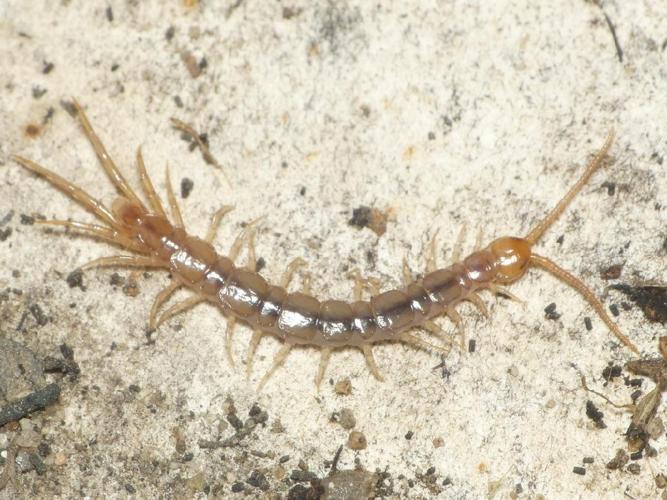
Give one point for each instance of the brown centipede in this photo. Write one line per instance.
(298, 318)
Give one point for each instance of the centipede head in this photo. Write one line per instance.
(129, 213)
(512, 256)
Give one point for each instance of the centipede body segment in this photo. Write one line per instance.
(159, 240)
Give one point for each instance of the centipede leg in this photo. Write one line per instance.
(173, 203)
(361, 284)
(243, 236)
(501, 290)
(409, 338)
(287, 276)
(458, 246)
(124, 261)
(325, 355)
(254, 342)
(479, 239)
(277, 361)
(479, 303)
(407, 273)
(147, 185)
(436, 330)
(370, 361)
(215, 222)
(106, 161)
(180, 307)
(458, 322)
(432, 258)
(229, 333)
(159, 300)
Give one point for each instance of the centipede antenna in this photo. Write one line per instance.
(593, 165)
(587, 293)
(71, 190)
(107, 163)
(147, 184)
(124, 261)
(96, 231)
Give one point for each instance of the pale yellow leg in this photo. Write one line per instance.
(251, 257)
(436, 330)
(149, 189)
(124, 261)
(458, 246)
(432, 258)
(287, 276)
(501, 290)
(479, 303)
(370, 361)
(173, 203)
(159, 300)
(325, 355)
(277, 361)
(180, 307)
(423, 344)
(478, 239)
(215, 222)
(243, 235)
(408, 277)
(361, 284)
(231, 324)
(458, 322)
(254, 342)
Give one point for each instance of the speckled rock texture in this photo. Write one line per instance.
(435, 116)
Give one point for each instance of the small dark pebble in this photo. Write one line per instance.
(238, 487)
(44, 449)
(636, 455)
(178, 101)
(550, 312)
(130, 489)
(38, 92)
(302, 191)
(619, 461)
(48, 67)
(169, 34)
(634, 468)
(614, 309)
(472, 344)
(37, 313)
(611, 272)
(300, 492)
(560, 239)
(431, 136)
(115, 66)
(518, 489)
(588, 323)
(187, 457)
(235, 421)
(134, 388)
(5, 233)
(30, 403)
(283, 459)
(75, 279)
(116, 280)
(186, 187)
(260, 264)
(447, 481)
(302, 476)
(611, 372)
(258, 480)
(611, 187)
(109, 13)
(588, 460)
(361, 217)
(409, 435)
(254, 410)
(67, 352)
(595, 415)
(27, 220)
(579, 470)
(430, 471)
(37, 463)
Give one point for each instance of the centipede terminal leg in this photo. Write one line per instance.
(124, 261)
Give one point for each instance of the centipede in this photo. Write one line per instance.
(155, 239)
